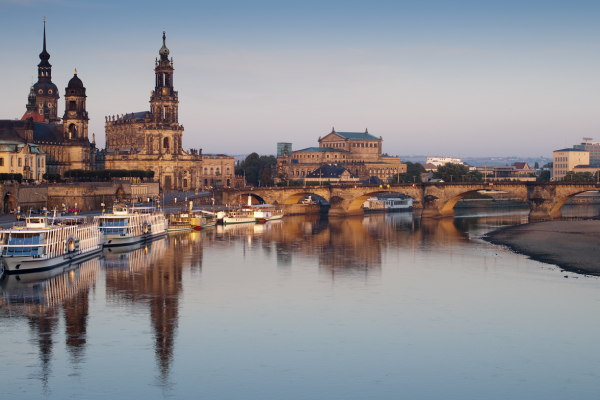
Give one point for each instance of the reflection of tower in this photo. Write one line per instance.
(76, 312)
(161, 270)
(42, 326)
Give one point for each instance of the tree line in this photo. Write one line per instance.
(106, 174)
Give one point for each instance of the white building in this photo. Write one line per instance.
(437, 161)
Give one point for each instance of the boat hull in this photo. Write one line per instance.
(16, 265)
(231, 221)
(118, 240)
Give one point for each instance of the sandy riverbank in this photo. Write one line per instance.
(572, 245)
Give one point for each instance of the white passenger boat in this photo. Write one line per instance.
(127, 226)
(267, 212)
(244, 215)
(42, 243)
(388, 203)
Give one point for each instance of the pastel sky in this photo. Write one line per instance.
(463, 78)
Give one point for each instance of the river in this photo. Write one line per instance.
(385, 307)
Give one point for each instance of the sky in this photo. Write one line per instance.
(459, 78)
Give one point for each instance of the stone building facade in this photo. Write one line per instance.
(153, 140)
(65, 143)
(359, 152)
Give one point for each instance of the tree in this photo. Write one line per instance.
(254, 167)
(457, 173)
(412, 174)
(266, 177)
(579, 177)
(544, 176)
(536, 165)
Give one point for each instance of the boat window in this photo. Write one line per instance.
(23, 244)
(112, 225)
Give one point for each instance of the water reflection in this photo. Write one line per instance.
(152, 275)
(38, 297)
(151, 278)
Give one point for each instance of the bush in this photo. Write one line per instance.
(105, 174)
(11, 177)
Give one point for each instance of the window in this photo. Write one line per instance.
(211, 171)
(166, 143)
(72, 105)
(11, 161)
(205, 171)
(1, 161)
(227, 170)
(20, 162)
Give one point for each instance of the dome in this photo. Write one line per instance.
(75, 82)
(46, 89)
(164, 51)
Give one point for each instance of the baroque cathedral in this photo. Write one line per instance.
(152, 140)
(64, 143)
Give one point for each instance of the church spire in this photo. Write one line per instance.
(44, 56)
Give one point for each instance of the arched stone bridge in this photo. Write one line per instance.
(436, 199)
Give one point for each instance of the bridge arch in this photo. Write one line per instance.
(356, 204)
(555, 211)
(243, 198)
(296, 197)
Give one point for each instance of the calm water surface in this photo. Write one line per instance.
(385, 306)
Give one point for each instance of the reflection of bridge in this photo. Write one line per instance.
(436, 199)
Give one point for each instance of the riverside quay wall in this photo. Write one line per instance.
(86, 196)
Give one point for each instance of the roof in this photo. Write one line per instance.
(320, 150)
(17, 146)
(373, 181)
(521, 165)
(75, 82)
(571, 150)
(33, 114)
(48, 132)
(8, 129)
(329, 171)
(136, 115)
(356, 135)
(429, 166)
(587, 166)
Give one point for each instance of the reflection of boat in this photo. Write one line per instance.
(49, 287)
(134, 257)
(43, 243)
(388, 203)
(132, 225)
(267, 212)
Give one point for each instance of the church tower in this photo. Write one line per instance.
(46, 92)
(164, 102)
(75, 119)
